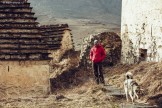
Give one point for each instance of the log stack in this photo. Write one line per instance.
(57, 36)
(20, 36)
(53, 34)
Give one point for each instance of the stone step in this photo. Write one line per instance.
(114, 91)
(136, 105)
(111, 88)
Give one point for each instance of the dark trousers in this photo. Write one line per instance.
(97, 69)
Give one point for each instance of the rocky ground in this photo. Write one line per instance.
(84, 93)
(81, 97)
(78, 89)
(148, 76)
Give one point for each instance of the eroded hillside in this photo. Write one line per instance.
(84, 17)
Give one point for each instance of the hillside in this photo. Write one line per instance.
(99, 10)
(84, 17)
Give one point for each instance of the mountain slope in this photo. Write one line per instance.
(84, 17)
(100, 10)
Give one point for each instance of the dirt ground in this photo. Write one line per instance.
(80, 97)
(147, 75)
(84, 93)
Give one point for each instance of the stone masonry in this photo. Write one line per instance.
(141, 31)
(26, 50)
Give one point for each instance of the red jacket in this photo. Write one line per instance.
(97, 54)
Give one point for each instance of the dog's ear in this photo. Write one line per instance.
(127, 76)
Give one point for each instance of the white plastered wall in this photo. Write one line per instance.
(141, 27)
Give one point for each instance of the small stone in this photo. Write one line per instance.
(59, 97)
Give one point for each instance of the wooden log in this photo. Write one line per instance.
(19, 23)
(12, 12)
(3, 7)
(30, 48)
(17, 17)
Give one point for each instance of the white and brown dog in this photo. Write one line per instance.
(131, 87)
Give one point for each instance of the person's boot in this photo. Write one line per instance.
(102, 81)
(97, 80)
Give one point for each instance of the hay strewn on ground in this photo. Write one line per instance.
(148, 76)
(83, 92)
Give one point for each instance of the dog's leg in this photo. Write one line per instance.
(135, 93)
(131, 96)
(126, 92)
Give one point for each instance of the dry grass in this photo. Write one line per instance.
(148, 76)
(85, 93)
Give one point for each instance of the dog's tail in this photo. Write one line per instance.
(134, 83)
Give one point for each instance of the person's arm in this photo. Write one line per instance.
(103, 54)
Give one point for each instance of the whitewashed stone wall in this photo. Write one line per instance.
(141, 28)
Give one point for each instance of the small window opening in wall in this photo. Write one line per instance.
(8, 68)
(143, 54)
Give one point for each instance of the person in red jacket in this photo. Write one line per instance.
(97, 55)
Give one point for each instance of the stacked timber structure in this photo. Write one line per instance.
(59, 36)
(20, 38)
(53, 34)
(27, 49)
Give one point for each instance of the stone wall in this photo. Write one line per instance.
(141, 30)
(66, 45)
(26, 78)
(110, 41)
